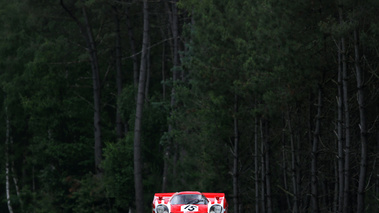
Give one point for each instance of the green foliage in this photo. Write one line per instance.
(201, 132)
(91, 196)
(127, 101)
(118, 172)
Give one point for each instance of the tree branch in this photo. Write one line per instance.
(73, 17)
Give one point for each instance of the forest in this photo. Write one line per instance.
(106, 102)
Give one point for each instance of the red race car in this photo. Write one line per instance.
(189, 201)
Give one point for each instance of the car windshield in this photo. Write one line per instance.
(189, 199)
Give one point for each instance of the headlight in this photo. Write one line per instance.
(161, 209)
(215, 209)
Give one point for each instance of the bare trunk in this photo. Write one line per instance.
(163, 71)
(340, 137)
(174, 23)
(175, 48)
(235, 159)
(134, 57)
(166, 150)
(346, 203)
(256, 166)
(363, 127)
(96, 91)
(170, 27)
(119, 124)
(263, 168)
(175, 35)
(316, 138)
(132, 47)
(138, 119)
(295, 208)
(268, 178)
(266, 165)
(15, 179)
(284, 166)
(7, 175)
(336, 185)
(165, 171)
(148, 70)
(86, 32)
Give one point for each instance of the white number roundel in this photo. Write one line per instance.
(189, 208)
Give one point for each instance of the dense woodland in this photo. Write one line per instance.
(105, 102)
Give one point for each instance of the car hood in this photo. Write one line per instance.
(198, 208)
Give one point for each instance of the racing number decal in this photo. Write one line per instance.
(189, 208)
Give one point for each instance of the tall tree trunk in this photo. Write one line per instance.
(284, 164)
(166, 150)
(235, 157)
(165, 170)
(170, 27)
(86, 32)
(294, 169)
(175, 35)
(340, 134)
(174, 23)
(363, 126)
(138, 119)
(316, 138)
(266, 165)
(163, 71)
(263, 168)
(134, 56)
(336, 187)
(119, 124)
(148, 73)
(256, 166)
(15, 181)
(96, 91)
(7, 174)
(132, 47)
(346, 203)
